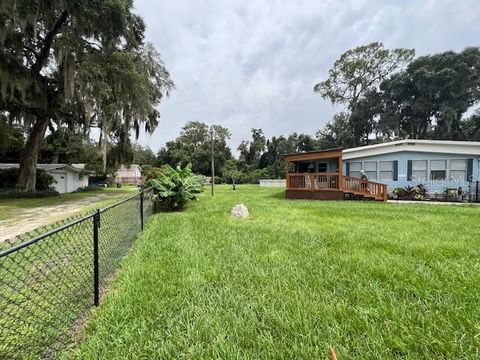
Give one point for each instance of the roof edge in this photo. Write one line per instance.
(413, 141)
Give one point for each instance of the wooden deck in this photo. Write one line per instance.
(333, 186)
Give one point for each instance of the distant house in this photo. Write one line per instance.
(67, 177)
(437, 164)
(129, 174)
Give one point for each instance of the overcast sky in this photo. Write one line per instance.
(253, 63)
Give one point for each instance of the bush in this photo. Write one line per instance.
(417, 192)
(420, 192)
(153, 173)
(254, 176)
(399, 192)
(12, 194)
(9, 179)
(87, 189)
(174, 187)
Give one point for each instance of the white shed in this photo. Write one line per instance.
(67, 178)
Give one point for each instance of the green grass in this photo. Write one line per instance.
(375, 280)
(10, 208)
(46, 286)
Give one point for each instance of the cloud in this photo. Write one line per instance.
(253, 63)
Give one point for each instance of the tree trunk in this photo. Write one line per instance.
(28, 161)
(104, 145)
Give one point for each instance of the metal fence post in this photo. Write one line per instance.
(96, 280)
(141, 210)
(476, 191)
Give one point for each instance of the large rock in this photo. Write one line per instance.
(239, 211)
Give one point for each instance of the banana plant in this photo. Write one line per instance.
(173, 187)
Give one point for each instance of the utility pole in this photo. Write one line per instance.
(213, 163)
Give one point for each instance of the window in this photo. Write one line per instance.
(370, 168)
(438, 169)
(419, 169)
(386, 170)
(322, 167)
(355, 169)
(458, 170)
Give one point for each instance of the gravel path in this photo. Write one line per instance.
(29, 219)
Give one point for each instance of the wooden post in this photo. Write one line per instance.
(340, 172)
(213, 163)
(287, 176)
(385, 193)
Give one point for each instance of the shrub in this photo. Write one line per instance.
(399, 192)
(9, 178)
(152, 173)
(417, 192)
(420, 191)
(174, 187)
(409, 191)
(9, 194)
(254, 176)
(87, 189)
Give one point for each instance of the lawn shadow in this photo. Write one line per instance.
(277, 195)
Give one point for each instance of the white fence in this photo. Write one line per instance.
(273, 183)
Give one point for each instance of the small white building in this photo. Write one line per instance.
(67, 178)
(281, 183)
(129, 174)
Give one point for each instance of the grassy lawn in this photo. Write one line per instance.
(374, 280)
(9, 208)
(46, 286)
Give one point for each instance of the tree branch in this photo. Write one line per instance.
(47, 44)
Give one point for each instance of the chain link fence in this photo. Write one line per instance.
(49, 279)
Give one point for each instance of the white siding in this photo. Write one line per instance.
(61, 181)
(68, 181)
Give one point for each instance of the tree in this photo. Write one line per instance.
(359, 71)
(12, 141)
(429, 98)
(337, 133)
(44, 44)
(67, 145)
(194, 146)
(143, 155)
(401, 115)
(124, 86)
(362, 122)
(251, 151)
(231, 172)
(471, 127)
(276, 148)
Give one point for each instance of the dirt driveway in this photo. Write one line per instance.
(29, 219)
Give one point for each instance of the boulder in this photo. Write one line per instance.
(239, 211)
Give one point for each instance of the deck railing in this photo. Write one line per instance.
(364, 187)
(313, 181)
(333, 181)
